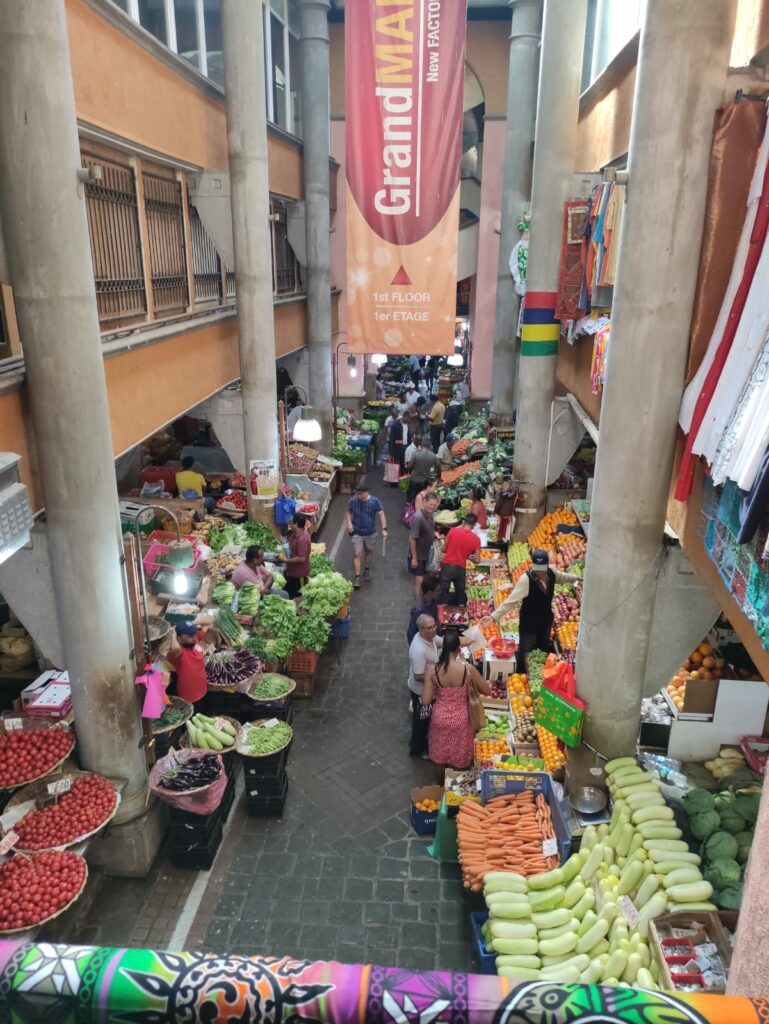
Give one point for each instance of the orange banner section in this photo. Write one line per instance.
(404, 91)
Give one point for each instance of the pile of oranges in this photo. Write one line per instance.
(520, 695)
(491, 631)
(551, 750)
(485, 751)
(702, 663)
(567, 635)
(428, 806)
(543, 533)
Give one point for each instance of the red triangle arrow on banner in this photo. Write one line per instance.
(401, 277)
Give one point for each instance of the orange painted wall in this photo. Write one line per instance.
(16, 437)
(124, 89)
(573, 374)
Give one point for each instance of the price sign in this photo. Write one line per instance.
(219, 723)
(59, 787)
(550, 847)
(628, 910)
(12, 724)
(8, 841)
(271, 723)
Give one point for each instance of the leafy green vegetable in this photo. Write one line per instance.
(230, 534)
(719, 845)
(258, 533)
(325, 594)
(248, 599)
(269, 687)
(320, 564)
(731, 820)
(730, 896)
(746, 804)
(722, 871)
(278, 580)
(224, 592)
(697, 800)
(744, 841)
(312, 632)
(347, 456)
(277, 617)
(704, 823)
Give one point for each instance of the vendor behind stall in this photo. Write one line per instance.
(297, 562)
(253, 570)
(187, 658)
(535, 590)
(192, 485)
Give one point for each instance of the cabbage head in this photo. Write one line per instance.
(746, 804)
(697, 800)
(720, 872)
(731, 820)
(744, 839)
(719, 845)
(704, 823)
(730, 896)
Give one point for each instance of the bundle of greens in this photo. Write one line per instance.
(325, 594)
(224, 592)
(347, 456)
(320, 564)
(248, 599)
(258, 533)
(312, 632)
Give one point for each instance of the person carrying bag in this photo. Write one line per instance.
(454, 689)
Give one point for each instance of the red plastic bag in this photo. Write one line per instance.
(204, 800)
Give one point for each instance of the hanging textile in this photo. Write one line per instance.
(729, 445)
(736, 142)
(570, 274)
(615, 208)
(700, 392)
(600, 353)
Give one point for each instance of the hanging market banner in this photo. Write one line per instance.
(404, 79)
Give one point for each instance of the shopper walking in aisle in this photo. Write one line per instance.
(427, 604)
(431, 372)
(424, 464)
(297, 562)
(421, 537)
(535, 590)
(453, 415)
(397, 439)
(451, 736)
(424, 650)
(415, 369)
(478, 508)
(427, 488)
(435, 418)
(461, 543)
(363, 512)
(504, 506)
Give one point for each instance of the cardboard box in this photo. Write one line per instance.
(34, 690)
(55, 701)
(454, 799)
(708, 928)
(424, 822)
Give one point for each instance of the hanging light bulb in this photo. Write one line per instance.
(379, 359)
(307, 428)
(181, 582)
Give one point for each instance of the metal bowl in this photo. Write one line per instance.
(589, 800)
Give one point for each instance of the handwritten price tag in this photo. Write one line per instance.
(12, 724)
(59, 787)
(628, 910)
(8, 841)
(271, 723)
(219, 723)
(550, 847)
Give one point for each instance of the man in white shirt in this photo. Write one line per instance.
(411, 395)
(462, 391)
(424, 651)
(411, 452)
(534, 590)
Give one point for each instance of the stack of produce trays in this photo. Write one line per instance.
(264, 746)
(200, 792)
(229, 670)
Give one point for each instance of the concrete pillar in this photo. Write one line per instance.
(555, 143)
(42, 209)
(516, 190)
(315, 139)
(682, 67)
(242, 38)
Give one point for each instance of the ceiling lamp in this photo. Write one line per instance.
(352, 363)
(379, 359)
(307, 428)
(455, 359)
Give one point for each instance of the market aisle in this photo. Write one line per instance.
(342, 875)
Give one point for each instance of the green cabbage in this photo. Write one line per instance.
(744, 840)
(720, 872)
(697, 800)
(730, 896)
(746, 804)
(722, 801)
(731, 820)
(703, 824)
(719, 845)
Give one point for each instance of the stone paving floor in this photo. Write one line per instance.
(342, 875)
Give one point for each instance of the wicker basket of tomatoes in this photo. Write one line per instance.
(37, 888)
(32, 751)
(69, 807)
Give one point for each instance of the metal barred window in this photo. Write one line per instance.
(113, 226)
(165, 230)
(206, 264)
(286, 278)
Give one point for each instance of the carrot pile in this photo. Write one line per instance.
(450, 476)
(504, 835)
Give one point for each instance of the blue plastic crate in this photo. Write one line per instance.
(486, 961)
(340, 628)
(498, 783)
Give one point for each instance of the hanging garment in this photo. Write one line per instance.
(729, 445)
(754, 506)
(612, 231)
(599, 238)
(600, 353)
(723, 346)
(570, 272)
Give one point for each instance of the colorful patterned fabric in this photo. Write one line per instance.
(84, 985)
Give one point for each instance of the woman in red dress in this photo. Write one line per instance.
(451, 735)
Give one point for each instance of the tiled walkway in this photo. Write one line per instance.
(342, 875)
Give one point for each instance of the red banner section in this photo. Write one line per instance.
(404, 75)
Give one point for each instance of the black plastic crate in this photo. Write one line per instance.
(282, 709)
(200, 854)
(186, 826)
(218, 702)
(267, 807)
(265, 786)
(265, 767)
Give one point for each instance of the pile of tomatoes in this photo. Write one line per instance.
(32, 889)
(78, 813)
(27, 754)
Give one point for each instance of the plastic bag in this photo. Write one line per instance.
(204, 800)
(391, 472)
(152, 489)
(285, 508)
